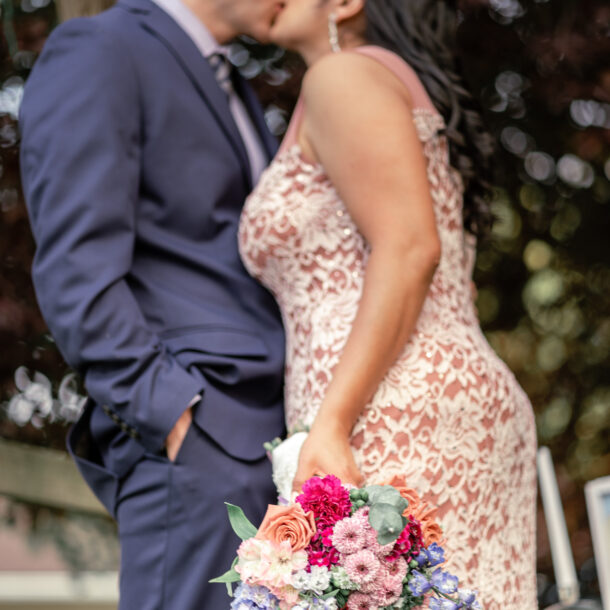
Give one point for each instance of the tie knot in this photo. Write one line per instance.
(222, 70)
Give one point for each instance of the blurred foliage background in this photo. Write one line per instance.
(541, 70)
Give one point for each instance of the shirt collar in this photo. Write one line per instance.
(192, 25)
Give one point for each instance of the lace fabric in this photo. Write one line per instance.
(448, 414)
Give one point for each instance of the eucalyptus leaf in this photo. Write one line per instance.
(375, 492)
(239, 522)
(386, 494)
(386, 521)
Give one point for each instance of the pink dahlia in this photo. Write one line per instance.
(362, 567)
(326, 498)
(349, 536)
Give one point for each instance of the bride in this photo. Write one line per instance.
(363, 227)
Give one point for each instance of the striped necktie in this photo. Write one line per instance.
(223, 69)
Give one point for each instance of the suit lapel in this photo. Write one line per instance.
(256, 114)
(160, 25)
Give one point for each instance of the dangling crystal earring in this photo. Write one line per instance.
(333, 33)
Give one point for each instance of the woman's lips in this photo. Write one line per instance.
(277, 9)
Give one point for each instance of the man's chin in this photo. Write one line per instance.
(262, 36)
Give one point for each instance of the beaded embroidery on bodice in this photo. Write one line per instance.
(449, 414)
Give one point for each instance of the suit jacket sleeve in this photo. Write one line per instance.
(80, 162)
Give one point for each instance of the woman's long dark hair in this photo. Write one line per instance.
(422, 32)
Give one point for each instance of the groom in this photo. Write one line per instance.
(138, 149)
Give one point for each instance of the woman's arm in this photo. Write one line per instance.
(358, 124)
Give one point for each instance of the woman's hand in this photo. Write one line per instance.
(326, 451)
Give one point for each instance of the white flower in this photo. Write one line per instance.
(300, 580)
(34, 403)
(40, 396)
(319, 579)
(20, 410)
(340, 578)
(71, 403)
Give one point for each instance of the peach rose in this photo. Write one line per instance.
(422, 511)
(290, 523)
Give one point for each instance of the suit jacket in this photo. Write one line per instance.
(135, 175)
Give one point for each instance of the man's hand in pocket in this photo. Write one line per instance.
(176, 436)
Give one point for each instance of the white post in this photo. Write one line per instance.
(561, 551)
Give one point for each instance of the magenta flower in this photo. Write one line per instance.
(327, 536)
(326, 557)
(409, 542)
(326, 498)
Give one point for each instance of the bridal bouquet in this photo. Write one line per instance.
(336, 547)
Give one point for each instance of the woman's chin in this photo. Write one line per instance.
(280, 37)
(275, 37)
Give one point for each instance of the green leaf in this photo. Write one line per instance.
(386, 494)
(387, 522)
(374, 492)
(239, 522)
(229, 576)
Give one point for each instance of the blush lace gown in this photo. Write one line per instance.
(448, 415)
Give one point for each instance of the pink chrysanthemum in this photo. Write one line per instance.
(362, 567)
(361, 601)
(362, 516)
(373, 588)
(388, 594)
(380, 550)
(394, 571)
(326, 498)
(384, 590)
(349, 536)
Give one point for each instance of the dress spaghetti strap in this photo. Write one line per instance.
(403, 71)
(392, 62)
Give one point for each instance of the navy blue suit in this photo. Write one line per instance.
(135, 174)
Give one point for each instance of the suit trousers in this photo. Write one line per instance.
(174, 530)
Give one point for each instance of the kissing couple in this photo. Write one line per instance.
(214, 291)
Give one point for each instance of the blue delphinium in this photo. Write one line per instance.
(467, 597)
(422, 559)
(443, 604)
(443, 581)
(249, 597)
(435, 554)
(419, 584)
